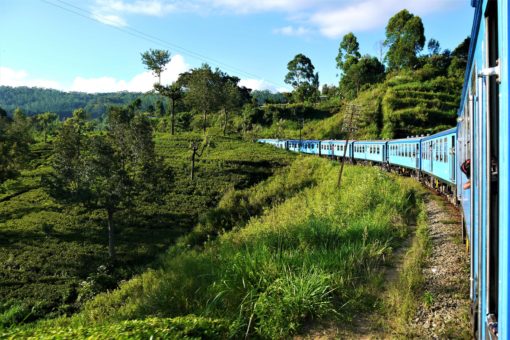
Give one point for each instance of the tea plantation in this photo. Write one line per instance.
(53, 258)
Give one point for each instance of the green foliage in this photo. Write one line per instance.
(303, 79)
(208, 91)
(156, 61)
(36, 100)
(188, 327)
(405, 293)
(15, 140)
(47, 123)
(404, 38)
(365, 71)
(51, 255)
(267, 97)
(109, 171)
(414, 108)
(314, 255)
(348, 52)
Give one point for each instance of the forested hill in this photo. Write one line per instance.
(34, 100)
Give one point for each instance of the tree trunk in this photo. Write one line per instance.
(111, 236)
(205, 121)
(172, 116)
(225, 122)
(193, 163)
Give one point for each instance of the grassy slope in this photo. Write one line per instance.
(399, 107)
(50, 254)
(314, 255)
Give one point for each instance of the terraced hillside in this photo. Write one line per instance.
(401, 106)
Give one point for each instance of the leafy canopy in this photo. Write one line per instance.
(405, 37)
(303, 78)
(156, 60)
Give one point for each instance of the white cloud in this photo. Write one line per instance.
(292, 31)
(370, 14)
(110, 19)
(142, 82)
(260, 84)
(111, 12)
(10, 77)
(331, 18)
(145, 7)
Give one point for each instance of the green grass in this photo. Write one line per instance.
(404, 295)
(53, 258)
(313, 255)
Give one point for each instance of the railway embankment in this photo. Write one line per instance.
(425, 293)
(443, 310)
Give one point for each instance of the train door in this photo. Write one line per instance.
(417, 155)
(491, 165)
(432, 155)
(451, 159)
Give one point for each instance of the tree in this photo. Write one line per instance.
(156, 61)
(202, 88)
(434, 47)
(232, 98)
(47, 122)
(109, 171)
(195, 146)
(460, 55)
(172, 92)
(302, 78)
(348, 52)
(405, 37)
(15, 140)
(367, 70)
(356, 70)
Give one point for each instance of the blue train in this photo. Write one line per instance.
(469, 163)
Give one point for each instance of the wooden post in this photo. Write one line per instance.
(350, 128)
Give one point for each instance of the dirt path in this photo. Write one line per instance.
(445, 297)
(443, 309)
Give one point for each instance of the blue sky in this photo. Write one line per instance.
(95, 45)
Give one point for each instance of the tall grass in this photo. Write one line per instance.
(314, 255)
(403, 296)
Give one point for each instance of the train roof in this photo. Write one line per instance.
(477, 4)
(337, 141)
(405, 140)
(441, 134)
(372, 141)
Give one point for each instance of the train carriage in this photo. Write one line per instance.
(405, 153)
(438, 155)
(294, 145)
(327, 148)
(339, 148)
(310, 146)
(483, 132)
(373, 151)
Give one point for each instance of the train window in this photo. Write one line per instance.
(440, 150)
(445, 149)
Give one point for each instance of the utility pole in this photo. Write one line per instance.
(350, 126)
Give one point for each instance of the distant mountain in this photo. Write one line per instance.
(34, 100)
